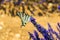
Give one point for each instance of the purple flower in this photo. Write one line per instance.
(32, 36)
(59, 7)
(50, 30)
(32, 20)
(36, 35)
(58, 29)
(42, 39)
(43, 31)
(48, 34)
(58, 25)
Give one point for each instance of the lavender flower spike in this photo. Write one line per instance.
(36, 35)
(32, 20)
(52, 31)
(42, 30)
(58, 25)
(31, 36)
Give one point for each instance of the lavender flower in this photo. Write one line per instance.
(42, 30)
(42, 39)
(48, 34)
(32, 36)
(36, 35)
(52, 31)
(58, 25)
(59, 7)
(58, 28)
(32, 20)
(44, 33)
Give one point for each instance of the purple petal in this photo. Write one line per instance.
(44, 32)
(31, 36)
(59, 7)
(42, 39)
(36, 35)
(58, 25)
(49, 28)
(32, 20)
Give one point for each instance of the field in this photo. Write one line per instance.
(10, 26)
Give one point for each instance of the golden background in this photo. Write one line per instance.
(10, 27)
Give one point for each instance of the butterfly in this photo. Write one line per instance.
(25, 18)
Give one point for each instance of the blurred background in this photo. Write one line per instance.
(44, 11)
